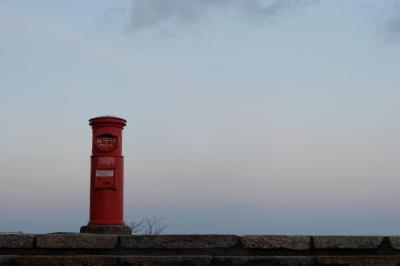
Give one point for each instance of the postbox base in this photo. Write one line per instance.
(107, 229)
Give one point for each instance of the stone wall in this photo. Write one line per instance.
(90, 249)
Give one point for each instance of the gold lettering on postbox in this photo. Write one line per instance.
(106, 142)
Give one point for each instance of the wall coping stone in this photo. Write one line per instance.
(276, 242)
(347, 242)
(248, 242)
(75, 241)
(179, 241)
(394, 241)
(16, 241)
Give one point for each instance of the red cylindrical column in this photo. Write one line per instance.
(107, 177)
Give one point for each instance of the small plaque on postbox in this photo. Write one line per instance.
(103, 173)
(106, 142)
(104, 178)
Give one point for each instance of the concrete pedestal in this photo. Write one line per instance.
(112, 229)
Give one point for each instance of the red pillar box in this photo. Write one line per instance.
(107, 178)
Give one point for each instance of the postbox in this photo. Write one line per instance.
(107, 177)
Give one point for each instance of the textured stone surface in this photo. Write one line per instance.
(90, 249)
(395, 241)
(166, 260)
(276, 242)
(16, 241)
(74, 241)
(7, 260)
(156, 260)
(60, 260)
(267, 260)
(347, 242)
(359, 260)
(96, 260)
(106, 229)
(179, 241)
(128, 260)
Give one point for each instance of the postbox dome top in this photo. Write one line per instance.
(107, 120)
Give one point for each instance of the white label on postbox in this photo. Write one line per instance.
(101, 173)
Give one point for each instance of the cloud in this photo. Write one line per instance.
(147, 14)
(389, 20)
(392, 27)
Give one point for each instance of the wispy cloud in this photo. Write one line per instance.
(171, 15)
(392, 26)
(147, 14)
(388, 24)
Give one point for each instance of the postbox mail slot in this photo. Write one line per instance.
(104, 182)
(104, 178)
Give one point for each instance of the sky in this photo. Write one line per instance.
(244, 116)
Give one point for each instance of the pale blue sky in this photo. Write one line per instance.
(275, 116)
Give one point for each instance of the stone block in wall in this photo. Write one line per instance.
(75, 241)
(394, 241)
(347, 242)
(265, 260)
(16, 241)
(166, 260)
(7, 260)
(179, 241)
(276, 242)
(54, 260)
(359, 260)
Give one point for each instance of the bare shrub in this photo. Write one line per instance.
(148, 226)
